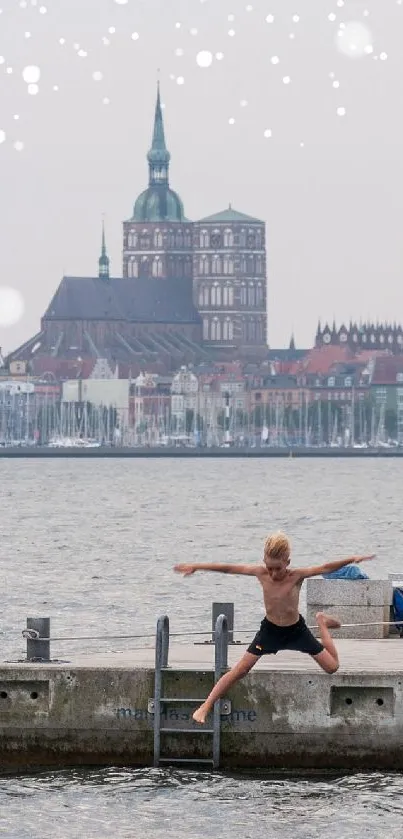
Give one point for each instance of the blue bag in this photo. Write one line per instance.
(348, 572)
(397, 607)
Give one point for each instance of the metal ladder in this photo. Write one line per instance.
(161, 665)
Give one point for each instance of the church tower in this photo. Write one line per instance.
(229, 283)
(157, 240)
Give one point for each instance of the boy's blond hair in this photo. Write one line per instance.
(277, 546)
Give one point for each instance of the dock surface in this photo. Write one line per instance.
(356, 656)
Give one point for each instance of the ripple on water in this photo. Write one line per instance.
(172, 802)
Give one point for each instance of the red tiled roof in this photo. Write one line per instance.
(386, 370)
(321, 359)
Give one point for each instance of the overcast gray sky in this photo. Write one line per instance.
(329, 186)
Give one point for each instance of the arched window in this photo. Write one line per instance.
(204, 239)
(242, 239)
(132, 239)
(216, 265)
(132, 268)
(228, 295)
(179, 239)
(171, 239)
(216, 295)
(228, 239)
(228, 330)
(259, 332)
(259, 265)
(203, 265)
(188, 239)
(206, 296)
(201, 295)
(251, 331)
(144, 270)
(205, 329)
(157, 267)
(228, 265)
(158, 240)
(258, 239)
(243, 295)
(215, 330)
(251, 296)
(259, 294)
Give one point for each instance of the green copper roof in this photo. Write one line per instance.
(103, 261)
(158, 152)
(158, 203)
(230, 215)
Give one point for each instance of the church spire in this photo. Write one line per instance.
(158, 157)
(103, 261)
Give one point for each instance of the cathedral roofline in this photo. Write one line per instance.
(229, 215)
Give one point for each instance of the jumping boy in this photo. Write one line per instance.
(283, 628)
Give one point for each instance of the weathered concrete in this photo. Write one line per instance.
(353, 601)
(286, 713)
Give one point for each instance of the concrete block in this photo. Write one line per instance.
(353, 614)
(349, 592)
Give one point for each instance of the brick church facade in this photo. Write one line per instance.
(189, 291)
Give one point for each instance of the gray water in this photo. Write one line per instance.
(92, 544)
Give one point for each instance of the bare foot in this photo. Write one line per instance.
(200, 714)
(331, 623)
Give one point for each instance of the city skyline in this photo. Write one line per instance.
(328, 186)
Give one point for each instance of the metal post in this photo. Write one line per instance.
(226, 609)
(38, 650)
(161, 661)
(221, 664)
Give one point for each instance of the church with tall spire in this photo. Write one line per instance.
(190, 292)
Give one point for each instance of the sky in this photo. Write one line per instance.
(296, 120)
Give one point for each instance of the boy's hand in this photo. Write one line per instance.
(358, 559)
(184, 569)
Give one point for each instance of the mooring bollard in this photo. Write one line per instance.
(37, 628)
(226, 609)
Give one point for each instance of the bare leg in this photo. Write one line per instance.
(234, 675)
(328, 659)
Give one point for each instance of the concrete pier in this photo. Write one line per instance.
(286, 714)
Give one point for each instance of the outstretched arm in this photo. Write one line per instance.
(328, 567)
(248, 570)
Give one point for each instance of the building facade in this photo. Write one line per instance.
(363, 336)
(229, 280)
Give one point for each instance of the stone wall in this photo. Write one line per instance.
(353, 602)
(60, 715)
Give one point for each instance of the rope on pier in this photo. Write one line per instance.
(33, 634)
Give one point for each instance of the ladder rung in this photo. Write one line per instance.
(187, 730)
(185, 760)
(181, 699)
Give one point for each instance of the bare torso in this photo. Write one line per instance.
(281, 597)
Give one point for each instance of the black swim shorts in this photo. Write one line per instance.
(272, 638)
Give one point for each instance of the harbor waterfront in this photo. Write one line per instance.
(195, 452)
